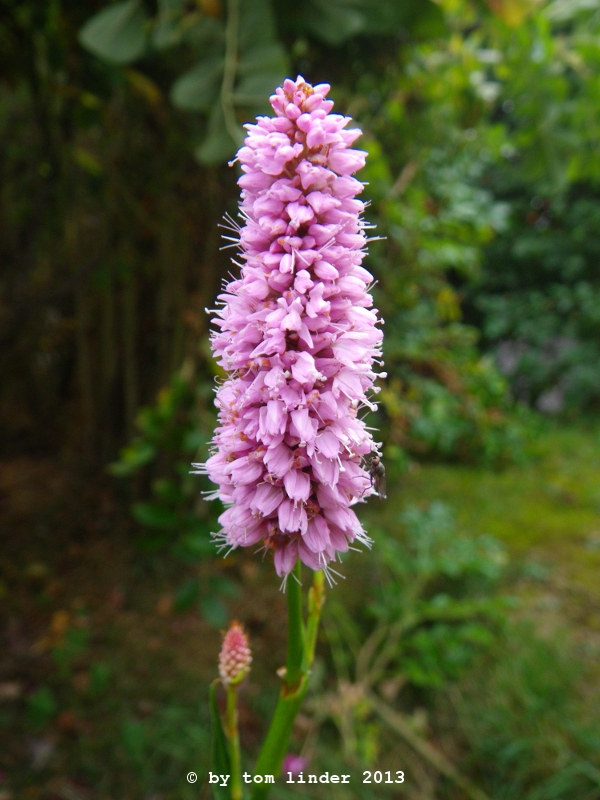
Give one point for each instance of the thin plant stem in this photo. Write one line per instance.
(233, 737)
(295, 645)
(291, 696)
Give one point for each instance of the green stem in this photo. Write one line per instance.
(231, 731)
(227, 87)
(316, 598)
(277, 741)
(295, 646)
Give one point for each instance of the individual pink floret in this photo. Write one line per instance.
(298, 339)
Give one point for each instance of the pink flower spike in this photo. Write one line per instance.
(235, 656)
(298, 337)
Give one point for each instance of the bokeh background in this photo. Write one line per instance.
(464, 648)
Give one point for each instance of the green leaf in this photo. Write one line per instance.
(169, 491)
(154, 515)
(193, 440)
(220, 752)
(134, 739)
(255, 90)
(152, 541)
(87, 161)
(382, 18)
(262, 59)
(118, 33)
(167, 26)
(41, 707)
(204, 34)
(262, 69)
(429, 22)
(335, 20)
(197, 89)
(186, 594)
(197, 545)
(214, 611)
(257, 25)
(222, 585)
(132, 458)
(218, 145)
(100, 678)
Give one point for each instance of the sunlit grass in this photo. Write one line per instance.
(546, 509)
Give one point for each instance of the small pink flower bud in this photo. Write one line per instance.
(235, 656)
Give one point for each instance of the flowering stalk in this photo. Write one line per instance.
(296, 644)
(233, 737)
(234, 662)
(298, 340)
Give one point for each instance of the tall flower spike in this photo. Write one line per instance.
(235, 656)
(298, 338)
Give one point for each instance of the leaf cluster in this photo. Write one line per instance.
(238, 53)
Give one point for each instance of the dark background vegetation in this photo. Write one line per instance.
(463, 649)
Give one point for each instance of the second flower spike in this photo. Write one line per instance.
(235, 656)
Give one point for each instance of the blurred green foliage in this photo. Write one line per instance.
(238, 52)
(480, 120)
(441, 649)
(438, 593)
(442, 396)
(435, 603)
(174, 517)
(170, 435)
(41, 707)
(527, 719)
(73, 645)
(537, 299)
